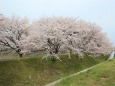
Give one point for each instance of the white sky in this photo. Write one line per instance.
(102, 12)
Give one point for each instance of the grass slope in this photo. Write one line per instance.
(35, 71)
(101, 75)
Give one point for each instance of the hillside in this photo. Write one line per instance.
(101, 75)
(35, 71)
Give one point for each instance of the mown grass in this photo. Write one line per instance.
(35, 71)
(101, 75)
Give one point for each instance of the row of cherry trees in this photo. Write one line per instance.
(53, 35)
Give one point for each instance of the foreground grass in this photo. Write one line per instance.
(101, 75)
(35, 71)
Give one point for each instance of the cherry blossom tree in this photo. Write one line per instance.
(91, 39)
(12, 32)
(58, 34)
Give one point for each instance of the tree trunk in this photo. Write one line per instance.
(53, 59)
(20, 55)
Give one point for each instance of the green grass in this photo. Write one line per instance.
(35, 71)
(101, 75)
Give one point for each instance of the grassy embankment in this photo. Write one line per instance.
(101, 75)
(35, 71)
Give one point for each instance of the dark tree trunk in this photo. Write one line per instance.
(56, 50)
(53, 59)
(20, 55)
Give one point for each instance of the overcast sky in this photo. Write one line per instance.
(102, 12)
